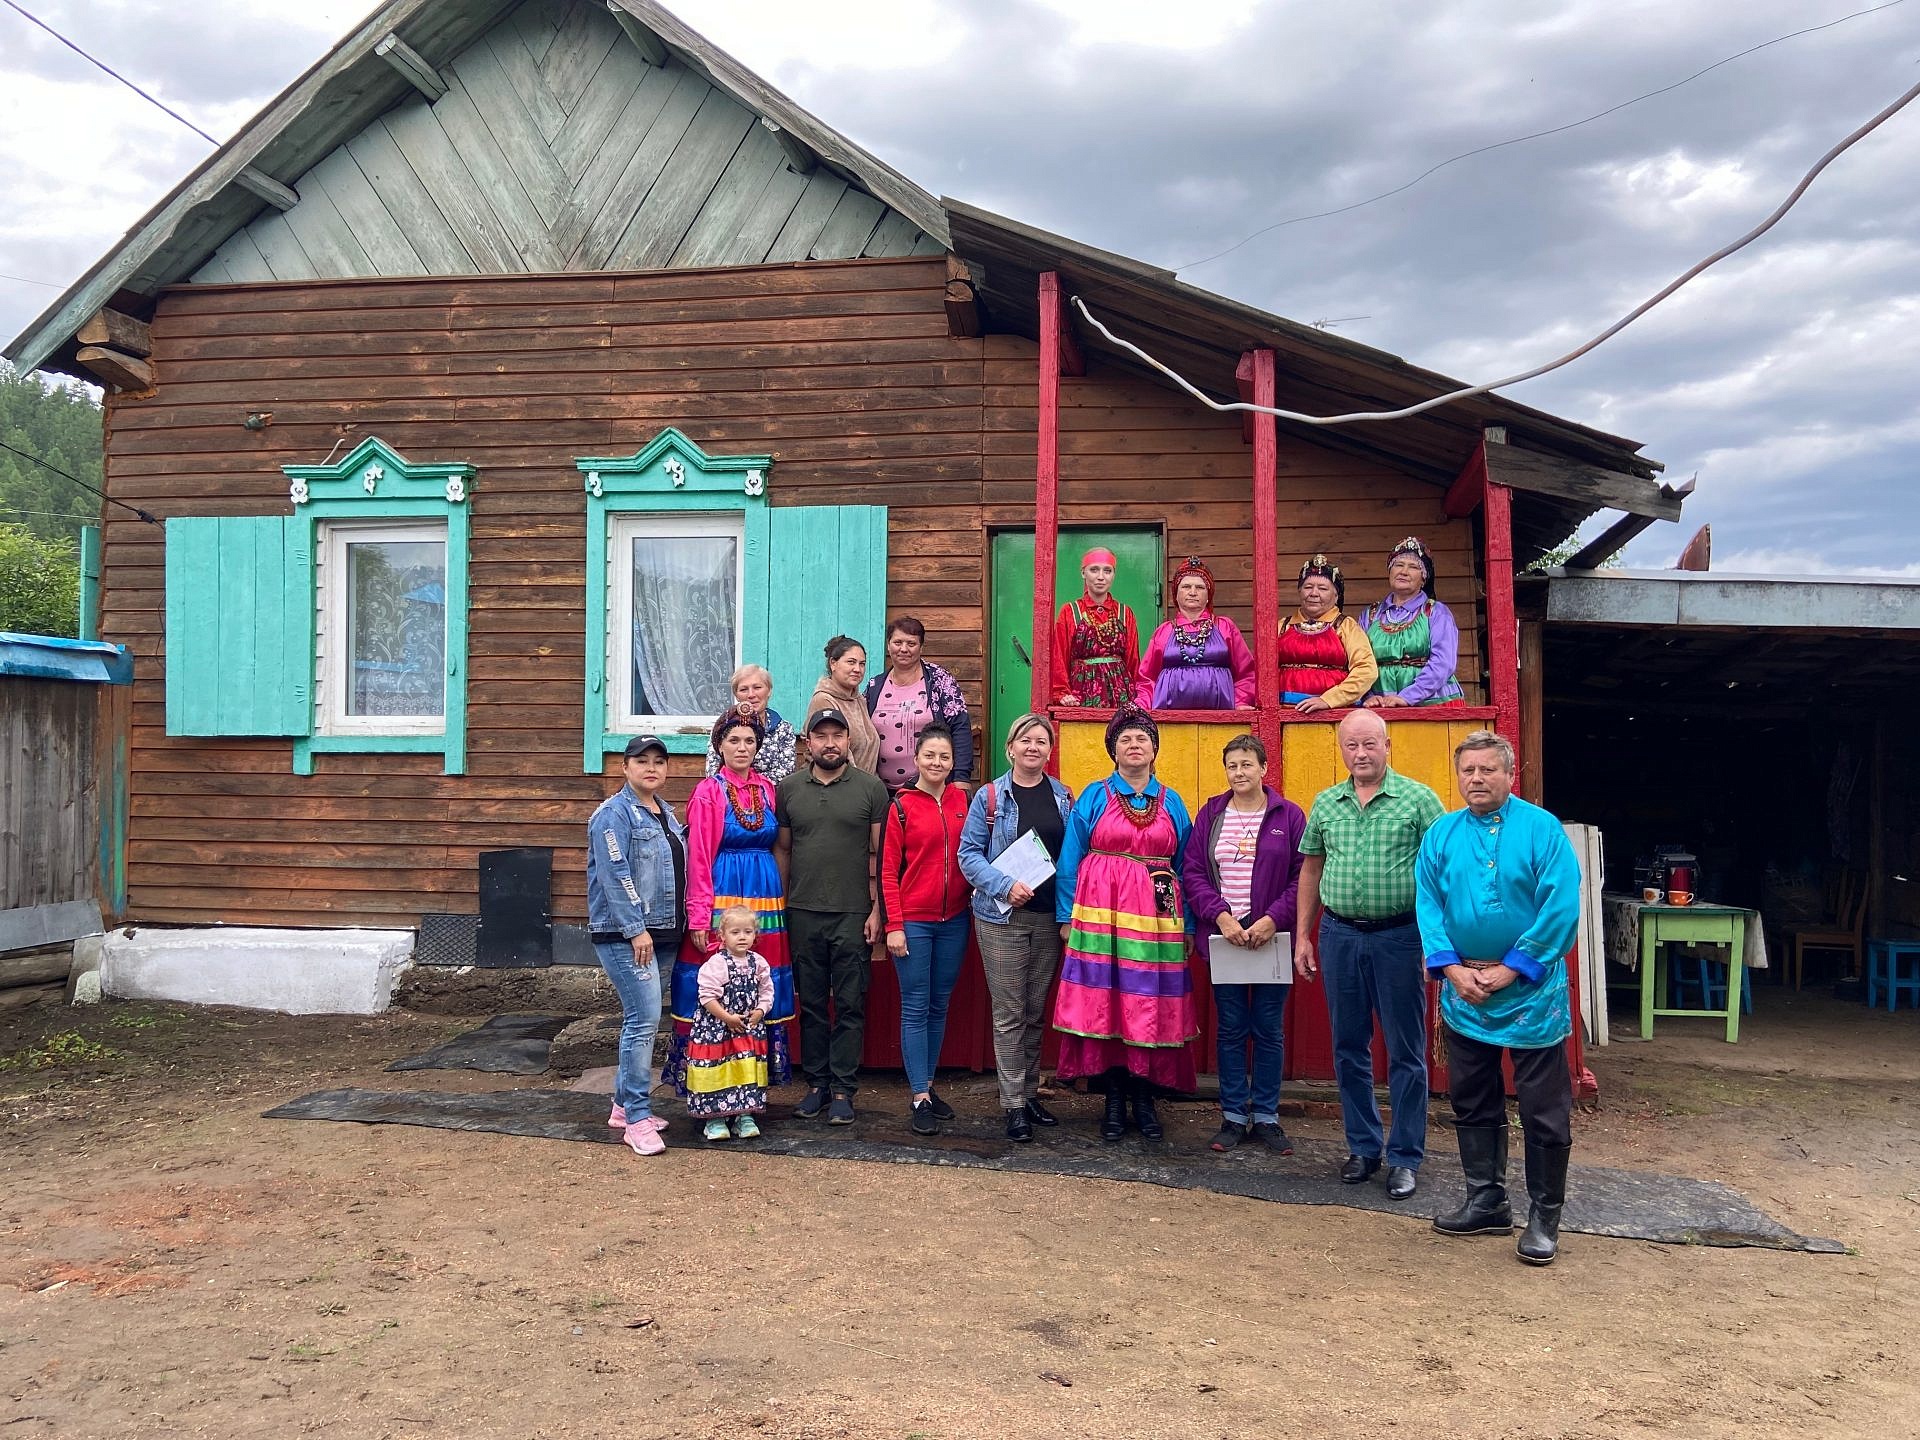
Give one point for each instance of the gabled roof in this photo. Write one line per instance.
(353, 86)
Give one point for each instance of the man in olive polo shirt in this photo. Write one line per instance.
(1361, 841)
(830, 814)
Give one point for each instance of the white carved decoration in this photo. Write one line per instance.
(676, 472)
(297, 492)
(456, 489)
(593, 484)
(756, 482)
(373, 476)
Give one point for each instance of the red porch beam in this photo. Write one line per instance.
(1469, 487)
(1266, 561)
(1243, 381)
(1046, 489)
(1503, 627)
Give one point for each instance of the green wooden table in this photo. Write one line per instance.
(1690, 925)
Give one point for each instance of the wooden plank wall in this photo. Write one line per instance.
(557, 147)
(49, 815)
(844, 371)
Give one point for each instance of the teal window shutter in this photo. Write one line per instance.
(239, 625)
(827, 576)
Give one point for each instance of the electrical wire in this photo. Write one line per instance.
(48, 284)
(1522, 139)
(83, 484)
(102, 65)
(1572, 355)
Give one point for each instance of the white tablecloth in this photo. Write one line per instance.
(1620, 921)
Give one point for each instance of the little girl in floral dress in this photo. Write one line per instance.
(726, 1070)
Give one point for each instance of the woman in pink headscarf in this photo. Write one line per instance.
(1196, 660)
(1096, 647)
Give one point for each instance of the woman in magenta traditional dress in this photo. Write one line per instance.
(1197, 660)
(1096, 646)
(1125, 1008)
(730, 833)
(1325, 659)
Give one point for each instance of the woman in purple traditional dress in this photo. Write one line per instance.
(1196, 660)
(1125, 1009)
(1415, 638)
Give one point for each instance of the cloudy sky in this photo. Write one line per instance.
(1785, 377)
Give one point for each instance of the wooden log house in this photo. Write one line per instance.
(499, 291)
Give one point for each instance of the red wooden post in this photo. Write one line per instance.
(1503, 628)
(1046, 491)
(1266, 565)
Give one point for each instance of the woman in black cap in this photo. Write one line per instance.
(1125, 1008)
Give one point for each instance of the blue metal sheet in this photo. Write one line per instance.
(48, 657)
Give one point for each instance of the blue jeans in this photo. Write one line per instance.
(639, 992)
(1240, 1011)
(1379, 972)
(927, 973)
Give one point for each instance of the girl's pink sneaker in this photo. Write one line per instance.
(644, 1139)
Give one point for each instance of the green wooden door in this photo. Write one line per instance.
(1137, 583)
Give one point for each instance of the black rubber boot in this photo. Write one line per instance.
(1483, 1158)
(1547, 1188)
(1113, 1125)
(1145, 1118)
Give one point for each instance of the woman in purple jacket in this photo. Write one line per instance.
(1241, 875)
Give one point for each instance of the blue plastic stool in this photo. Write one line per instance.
(1894, 965)
(1709, 977)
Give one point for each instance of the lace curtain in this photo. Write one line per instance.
(397, 617)
(683, 619)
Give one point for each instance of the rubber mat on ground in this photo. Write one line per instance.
(1628, 1204)
(505, 1045)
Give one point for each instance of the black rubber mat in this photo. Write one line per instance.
(1627, 1204)
(505, 1045)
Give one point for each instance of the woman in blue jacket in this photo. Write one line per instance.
(1019, 938)
(636, 909)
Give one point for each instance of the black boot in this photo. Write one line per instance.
(1483, 1158)
(1145, 1118)
(1547, 1188)
(1113, 1125)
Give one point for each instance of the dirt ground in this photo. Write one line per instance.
(171, 1264)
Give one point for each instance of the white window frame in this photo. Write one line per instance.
(333, 641)
(623, 528)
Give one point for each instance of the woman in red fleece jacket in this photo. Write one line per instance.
(925, 896)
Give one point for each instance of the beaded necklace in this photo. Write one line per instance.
(1141, 810)
(1105, 631)
(753, 814)
(1192, 638)
(1394, 627)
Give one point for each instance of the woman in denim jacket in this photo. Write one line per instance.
(636, 910)
(1019, 938)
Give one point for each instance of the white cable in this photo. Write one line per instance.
(1572, 355)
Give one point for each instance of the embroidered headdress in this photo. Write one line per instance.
(1321, 565)
(738, 715)
(1193, 565)
(1415, 546)
(1131, 717)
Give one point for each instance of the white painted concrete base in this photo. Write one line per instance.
(302, 972)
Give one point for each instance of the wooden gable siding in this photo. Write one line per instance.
(844, 372)
(558, 147)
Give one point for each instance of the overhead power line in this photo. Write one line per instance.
(108, 69)
(1521, 139)
(83, 484)
(1572, 355)
(24, 280)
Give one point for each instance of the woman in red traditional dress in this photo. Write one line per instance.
(1096, 645)
(1326, 660)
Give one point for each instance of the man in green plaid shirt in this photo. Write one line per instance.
(1362, 838)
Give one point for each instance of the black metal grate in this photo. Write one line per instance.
(449, 940)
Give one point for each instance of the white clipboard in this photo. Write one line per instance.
(1271, 964)
(1025, 862)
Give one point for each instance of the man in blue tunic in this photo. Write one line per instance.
(1498, 902)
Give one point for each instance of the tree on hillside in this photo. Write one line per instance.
(39, 583)
(60, 425)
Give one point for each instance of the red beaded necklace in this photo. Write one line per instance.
(751, 815)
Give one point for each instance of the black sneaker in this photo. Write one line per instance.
(941, 1110)
(925, 1121)
(815, 1102)
(1269, 1134)
(1231, 1133)
(840, 1112)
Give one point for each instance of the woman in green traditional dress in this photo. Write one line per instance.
(1415, 638)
